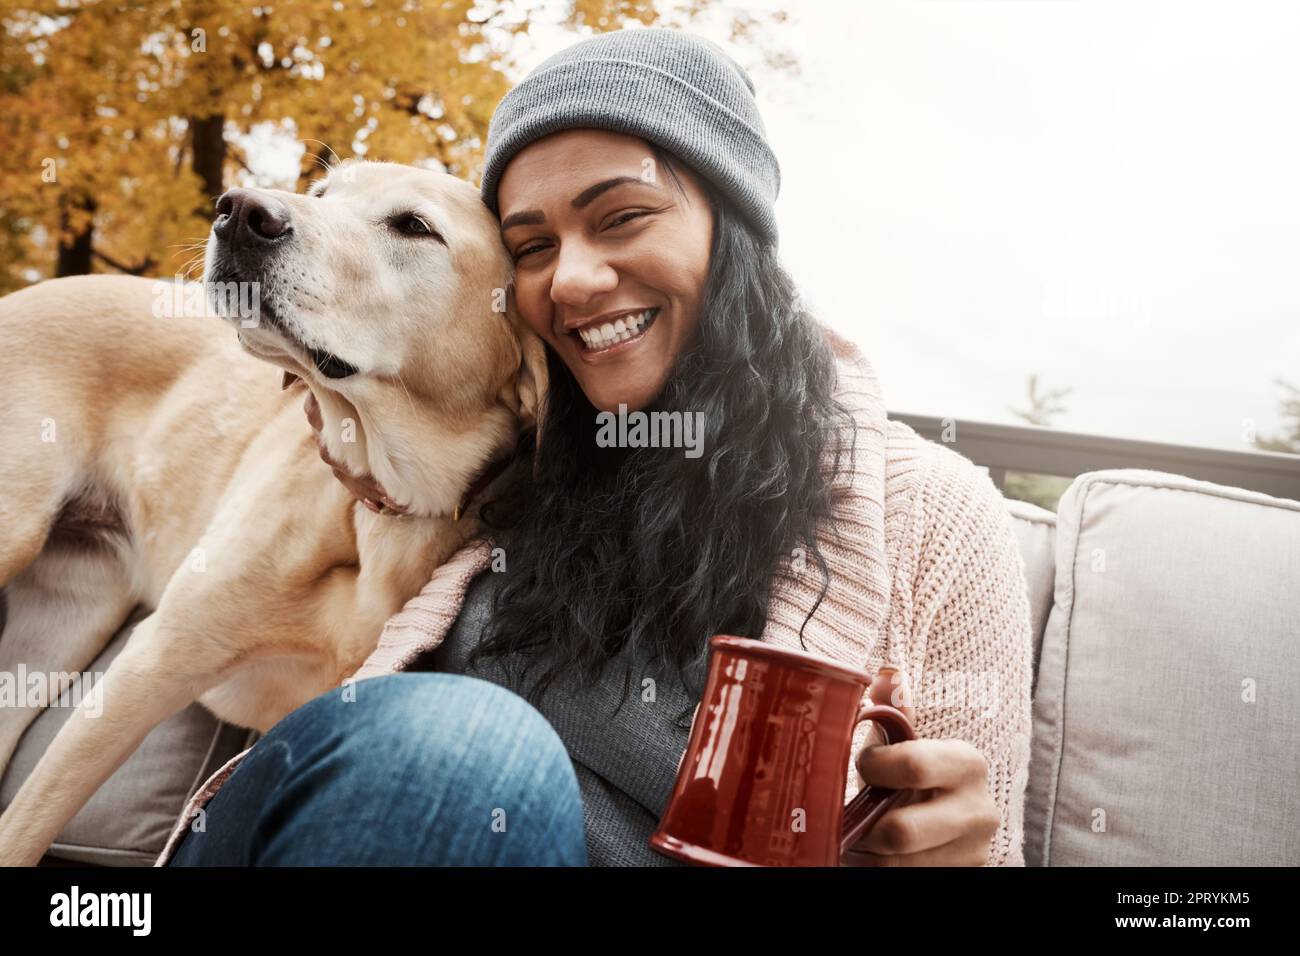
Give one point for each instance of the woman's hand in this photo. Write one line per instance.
(950, 817)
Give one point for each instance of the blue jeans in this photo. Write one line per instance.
(420, 769)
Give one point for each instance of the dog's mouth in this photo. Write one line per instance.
(330, 365)
(327, 363)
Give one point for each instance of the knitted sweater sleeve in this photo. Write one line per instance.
(971, 633)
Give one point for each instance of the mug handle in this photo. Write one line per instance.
(870, 803)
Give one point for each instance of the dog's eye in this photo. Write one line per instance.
(412, 225)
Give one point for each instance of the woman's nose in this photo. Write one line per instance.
(580, 274)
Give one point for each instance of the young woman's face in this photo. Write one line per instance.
(610, 258)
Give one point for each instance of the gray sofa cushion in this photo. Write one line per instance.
(1035, 530)
(128, 819)
(1166, 717)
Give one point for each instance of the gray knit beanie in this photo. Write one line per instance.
(670, 88)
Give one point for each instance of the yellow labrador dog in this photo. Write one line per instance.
(152, 455)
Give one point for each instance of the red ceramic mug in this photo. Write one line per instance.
(762, 780)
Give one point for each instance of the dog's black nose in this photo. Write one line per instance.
(247, 216)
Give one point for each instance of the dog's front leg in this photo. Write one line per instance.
(154, 676)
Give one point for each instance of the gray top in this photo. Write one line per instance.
(625, 758)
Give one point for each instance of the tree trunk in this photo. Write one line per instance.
(75, 253)
(208, 152)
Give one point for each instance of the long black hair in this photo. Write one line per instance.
(647, 552)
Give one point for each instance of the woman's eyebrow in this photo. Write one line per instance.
(533, 217)
(591, 192)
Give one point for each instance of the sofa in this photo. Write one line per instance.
(1166, 705)
(1166, 712)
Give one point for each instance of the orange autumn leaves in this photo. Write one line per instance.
(122, 122)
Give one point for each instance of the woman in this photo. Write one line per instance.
(563, 651)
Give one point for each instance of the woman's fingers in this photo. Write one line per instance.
(889, 687)
(948, 819)
(892, 687)
(922, 764)
(964, 851)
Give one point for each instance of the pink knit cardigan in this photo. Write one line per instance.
(926, 575)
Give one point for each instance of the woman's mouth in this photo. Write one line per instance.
(596, 339)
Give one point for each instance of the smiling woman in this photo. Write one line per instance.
(658, 551)
(635, 189)
(609, 267)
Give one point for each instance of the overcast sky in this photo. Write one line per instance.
(1105, 193)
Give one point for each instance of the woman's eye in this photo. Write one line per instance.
(527, 250)
(626, 217)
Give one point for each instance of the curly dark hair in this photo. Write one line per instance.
(646, 551)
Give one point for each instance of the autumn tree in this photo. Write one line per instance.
(122, 122)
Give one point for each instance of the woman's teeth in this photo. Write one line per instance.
(596, 338)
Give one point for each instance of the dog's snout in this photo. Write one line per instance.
(246, 216)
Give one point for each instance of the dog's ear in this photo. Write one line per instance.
(531, 383)
(525, 391)
(533, 377)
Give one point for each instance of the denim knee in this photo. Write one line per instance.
(431, 711)
(418, 768)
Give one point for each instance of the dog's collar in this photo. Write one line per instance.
(489, 474)
(385, 505)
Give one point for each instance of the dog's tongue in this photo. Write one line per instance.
(289, 379)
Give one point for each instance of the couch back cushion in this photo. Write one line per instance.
(1166, 718)
(1035, 530)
